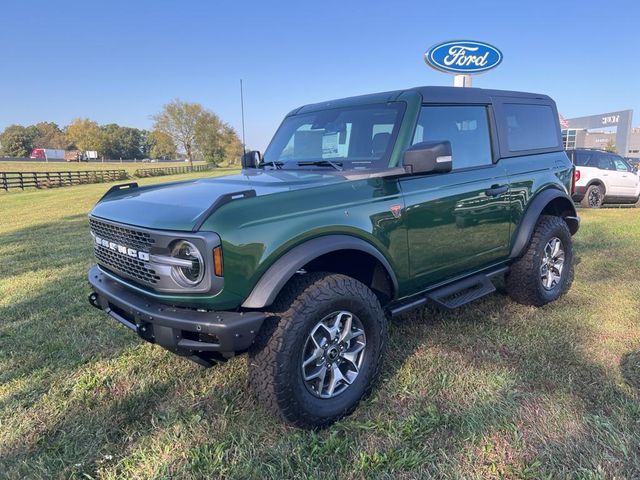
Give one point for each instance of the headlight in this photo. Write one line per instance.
(187, 274)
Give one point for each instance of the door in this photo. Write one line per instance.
(601, 161)
(625, 179)
(457, 221)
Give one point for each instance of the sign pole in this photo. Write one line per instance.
(462, 80)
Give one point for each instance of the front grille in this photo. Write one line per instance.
(120, 263)
(122, 235)
(132, 267)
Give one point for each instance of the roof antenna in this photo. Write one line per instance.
(244, 145)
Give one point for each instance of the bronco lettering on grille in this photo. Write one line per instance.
(124, 250)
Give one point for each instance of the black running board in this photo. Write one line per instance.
(453, 295)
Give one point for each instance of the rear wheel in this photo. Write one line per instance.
(321, 351)
(593, 197)
(545, 272)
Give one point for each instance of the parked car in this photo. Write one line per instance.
(634, 162)
(361, 209)
(603, 177)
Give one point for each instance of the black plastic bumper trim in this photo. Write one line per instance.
(183, 331)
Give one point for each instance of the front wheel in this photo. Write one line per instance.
(320, 352)
(545, 272)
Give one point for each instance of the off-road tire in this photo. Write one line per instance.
(593, 190)
(523, 282)
(275, 357)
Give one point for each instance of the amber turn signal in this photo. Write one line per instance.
(217, 261)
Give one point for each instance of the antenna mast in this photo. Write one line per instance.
(244, 145)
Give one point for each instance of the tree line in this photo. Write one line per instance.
(181, 129)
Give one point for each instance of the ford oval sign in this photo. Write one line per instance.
(463, 57)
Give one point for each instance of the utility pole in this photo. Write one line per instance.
(244, 145)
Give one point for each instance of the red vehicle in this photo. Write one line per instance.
(47, 154)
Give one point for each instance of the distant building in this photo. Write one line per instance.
(582, 138)
(596, 131)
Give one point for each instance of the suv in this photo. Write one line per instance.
(360, 210)
(603, 177)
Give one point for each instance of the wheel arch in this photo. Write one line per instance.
(599, 182)
(344, 254)
(551, 201)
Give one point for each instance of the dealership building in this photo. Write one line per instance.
(606, 131)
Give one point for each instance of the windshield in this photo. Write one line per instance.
(352, 137)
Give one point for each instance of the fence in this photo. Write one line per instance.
(154, 172)
(24, 180)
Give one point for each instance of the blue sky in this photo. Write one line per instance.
(120, 61)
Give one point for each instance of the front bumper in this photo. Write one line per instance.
(203, 336)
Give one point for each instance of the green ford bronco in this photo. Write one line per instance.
(360, 209)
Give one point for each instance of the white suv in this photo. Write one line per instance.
(603, 177)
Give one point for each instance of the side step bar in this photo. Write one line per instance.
(455, 294)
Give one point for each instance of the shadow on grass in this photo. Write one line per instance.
(48, 323)
(47, 328)
(630, 368)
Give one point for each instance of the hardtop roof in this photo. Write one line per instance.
(429, 95)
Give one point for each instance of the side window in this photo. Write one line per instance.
(583, 159)
(619, 164)
(602, 162)
(530, 127)
(466, 127)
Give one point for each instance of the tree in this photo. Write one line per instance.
(122, 142)
(611, 147)
(208, 137)
(85, 134)
(178, 120)
(16, 141)
(48, 135)
(161, 145)
(232, 145)
(217, 141)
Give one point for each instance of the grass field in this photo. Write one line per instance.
(494, 390)
(66, 166)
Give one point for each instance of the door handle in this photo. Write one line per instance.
(496, 190)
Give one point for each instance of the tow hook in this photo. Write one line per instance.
(93, 300)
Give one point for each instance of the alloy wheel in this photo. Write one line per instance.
(594, 197)
(552, 263)
(333, 354)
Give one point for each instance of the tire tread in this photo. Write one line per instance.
(300, 297)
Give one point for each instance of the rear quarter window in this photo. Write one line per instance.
(583, 159)
(530, 127)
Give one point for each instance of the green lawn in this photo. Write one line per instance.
(37, 166)
(494, 390)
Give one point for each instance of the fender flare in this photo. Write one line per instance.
(596, 181)
(280, 272)
(531, 215)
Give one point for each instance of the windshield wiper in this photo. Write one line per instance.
(273, 163)
(322, 163)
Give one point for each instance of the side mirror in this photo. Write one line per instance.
(251, 159)
(428, 157)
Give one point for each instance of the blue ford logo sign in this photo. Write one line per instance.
(463, 57)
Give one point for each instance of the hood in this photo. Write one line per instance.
(179, 205)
